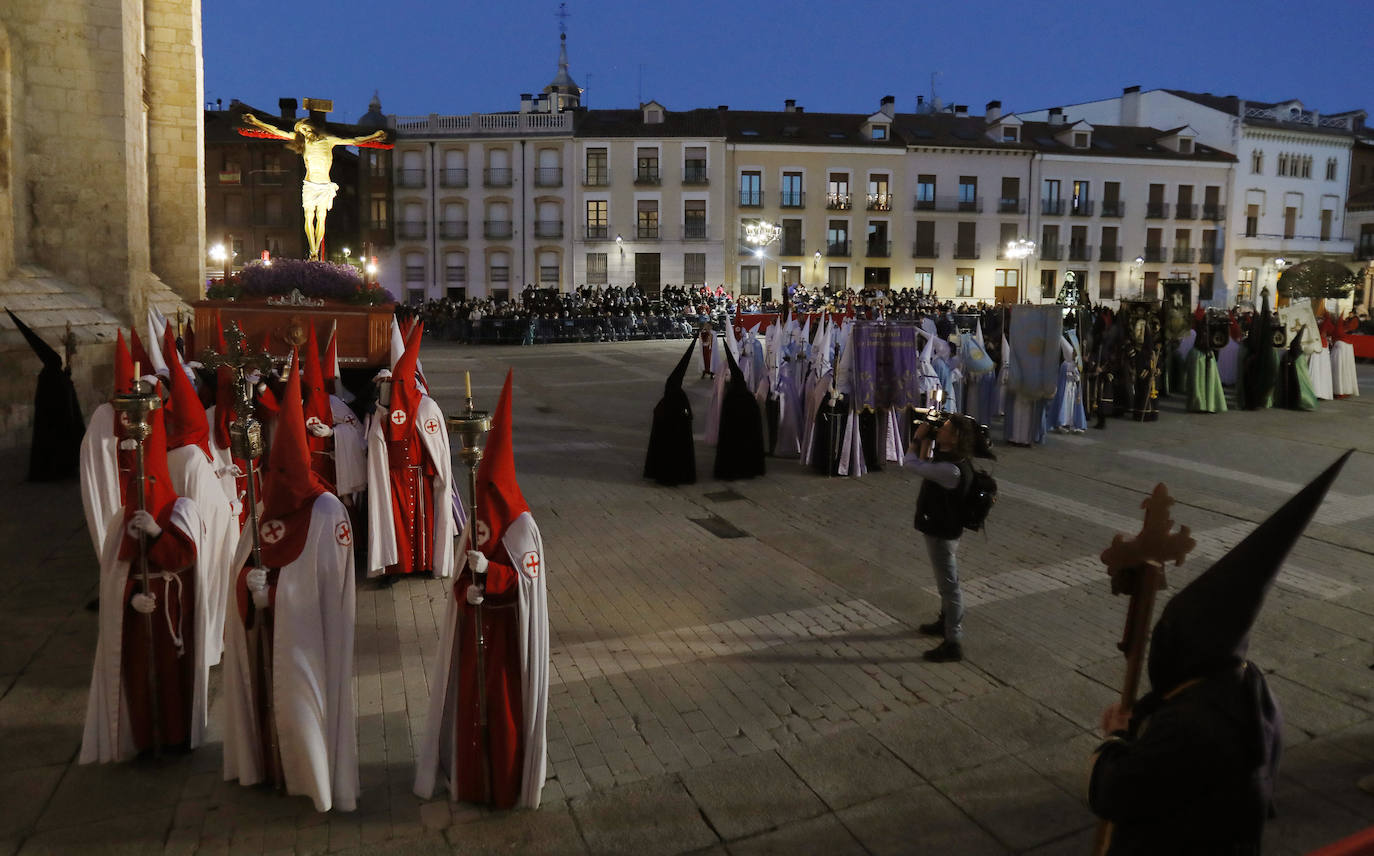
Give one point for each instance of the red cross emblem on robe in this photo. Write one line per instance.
(272, 531)
(398, 417)
(529, 564)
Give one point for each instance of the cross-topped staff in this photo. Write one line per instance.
(1136, 568)
(470, 425)
(245, 444)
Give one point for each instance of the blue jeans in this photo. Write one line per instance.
(942, 562)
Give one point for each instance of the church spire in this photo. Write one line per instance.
(563, 91)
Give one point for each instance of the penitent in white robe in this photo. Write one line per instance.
(100, 475)
(381, 521)
(193, 476)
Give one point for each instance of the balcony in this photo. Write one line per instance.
(453, 230)
(497, 229)
(648, 176)
(1110, 254)
(1155, 254)
(694, 231)
(411, 178)
(548, 228)
(455, 273)
(1183, 255)
(837, 202)
(751, 199)
(1156, 210)
(838, 249)
(647, 232)
(1210, 255)
(879, 249)
(695, 175)
(1051, 252)
(792, 247)
(925, 250)
(548, 176)
(596, 232)
(453, 178)
(496, 177)
(1081, 208)
(1216, 213)
(415, 273)
(1080, 252)
(410, 230)
(792, 199)
(1011, 206)
(1052, 207)
(968, 251)
(879, 202)
(1113, 208)
(1185, 211)
(596, 177)
(925, 202)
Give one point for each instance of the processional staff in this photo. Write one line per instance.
(470, 426)
(134, 408)
(1136, 568)
(245, 444)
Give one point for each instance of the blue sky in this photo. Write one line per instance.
(464, 56)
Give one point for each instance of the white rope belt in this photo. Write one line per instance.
(174, 631)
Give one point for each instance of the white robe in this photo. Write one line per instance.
(107, 734)
(193, 476)
(381, 522)
(435, 756)
(350, 450)
(312, 669)
(1319, 372)
(1343, 378)
(100, 474)
(224, 471)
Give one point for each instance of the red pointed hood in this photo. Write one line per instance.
(158, 495)
(290, 487)
(499, 500)
(169, 343)
(188, 342)
(316, 398)
(186, 422)
(123, 366)
(405, 394)
(140, 355)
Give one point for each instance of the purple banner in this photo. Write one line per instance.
(886, 365)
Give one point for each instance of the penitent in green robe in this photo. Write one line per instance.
(1203, 383)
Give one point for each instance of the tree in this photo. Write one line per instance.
(1317, 278)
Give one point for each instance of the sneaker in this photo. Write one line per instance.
(947, 651)
(934, 628)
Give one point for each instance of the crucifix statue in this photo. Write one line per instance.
(311, 139)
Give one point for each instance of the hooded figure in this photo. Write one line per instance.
(504, 572)
(1194, 772)
(1259, 363)
(739, 448)
(102, 463)
(671, 458)
(1293, 389)
(55, 451)
(1202, 380)
(288, 638)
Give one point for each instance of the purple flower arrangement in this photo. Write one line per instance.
(318, 280)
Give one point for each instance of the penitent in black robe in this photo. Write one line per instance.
(57, 424)
(671, 458)
(739, 445)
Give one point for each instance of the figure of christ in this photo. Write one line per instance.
(315, 145)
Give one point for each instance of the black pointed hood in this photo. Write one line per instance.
(42, 349)
(675, 379)
(1206, 626)
(736, 373)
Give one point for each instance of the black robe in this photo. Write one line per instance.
(55, 452)
(739, 442)
(671, 458)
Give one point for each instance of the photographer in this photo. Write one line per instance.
(941, 458)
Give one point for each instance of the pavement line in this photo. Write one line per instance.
(606, 657)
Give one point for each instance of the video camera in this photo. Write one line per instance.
(936, 418)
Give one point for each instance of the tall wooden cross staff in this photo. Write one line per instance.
(1137, 569)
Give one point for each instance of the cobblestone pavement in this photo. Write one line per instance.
(760, 693)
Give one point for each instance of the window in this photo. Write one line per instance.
(963, 282)
(377, 163)
(1245, 286)
(233, 210)
(548, 269)
(1251, 221)
(965, 240)
(968, 193)
(1327, 215)
(499, 267)
(1306, 166)
(1184, 209)
(750, 279)
(790, 275)
(837, 277)
(646, 166)
(1051, 202)
(837, 191)
(791, 238)
(1005, 278)
(1080, 140)
(1049, 243)
(1010, 201)
(597, 224)
(1205, 281)
(1011, 134)
(598, 174)
(1111, 251)
(646, 219)
(414, 267)
(1047, 287)
(925, 240)
(596, 269)
(791, 190)
(925, 280)
(1106, 285)
(1283, 163)
(455, 268)
(1331, 168)
(1081, 201)
(1185, 145)
(837, 238)
(751, 188)
(1006, 235)
(1151, 285)
(880, 132)
(694, 219)
(1256, 162)
(879, 195)
(925, 193)
(1111, 199)
(693, 268)
(694, 165)
(1290, 222)
(378, 211)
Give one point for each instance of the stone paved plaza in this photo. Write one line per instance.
(735, 665)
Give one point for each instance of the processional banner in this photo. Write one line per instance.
(886, 365)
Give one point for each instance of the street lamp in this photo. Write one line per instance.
(1020, 249)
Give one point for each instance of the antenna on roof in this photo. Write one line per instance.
(641, 83)
(935, 99)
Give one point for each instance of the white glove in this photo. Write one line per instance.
(143, 603)
(474, 595)
(477, 562)
(143, 522)
(256, 582)
(319, 429)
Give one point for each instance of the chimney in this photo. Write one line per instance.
(526, 102)
(888, 106)
(801, 110)
(1130, 106)
(723, 107)
(920, 104)
(994, 111)
(1056, 116)
(287, 107)
(789, 106)
(961, 110)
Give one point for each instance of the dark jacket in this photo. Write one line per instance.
(938, 509)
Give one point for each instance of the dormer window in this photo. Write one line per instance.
(1185, 145)
(653, 117)
(1080, 140)
(1011, 134)
(880, 132)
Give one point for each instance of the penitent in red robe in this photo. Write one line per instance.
(412, 504)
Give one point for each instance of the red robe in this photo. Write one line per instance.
(505, 716)
(412, 504)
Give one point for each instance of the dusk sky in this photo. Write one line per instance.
(831, 56)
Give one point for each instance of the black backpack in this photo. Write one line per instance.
(978, 500)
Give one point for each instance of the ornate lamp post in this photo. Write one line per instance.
(1020, 249)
